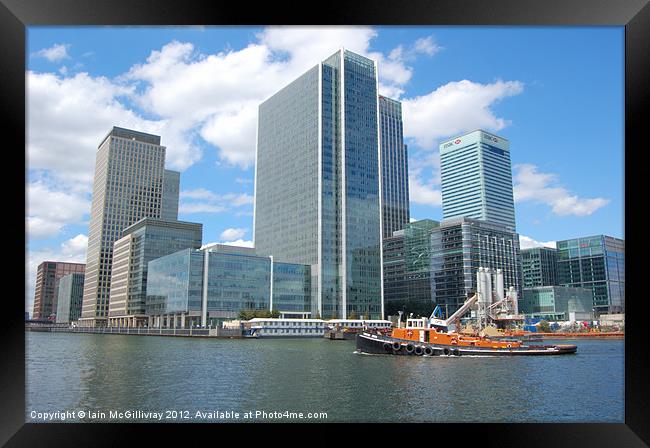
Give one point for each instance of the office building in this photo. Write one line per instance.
(597, 263)
(459, 246)
(48, 275)
(209, 286)
(129, 185)
(539, 265)
(142, 242)
(407, 269)
(394, 167)
(317, 183)
(70, 296)
(557, 303)
(171, 188)
(476, 177)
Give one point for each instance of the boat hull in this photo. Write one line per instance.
(385, 345)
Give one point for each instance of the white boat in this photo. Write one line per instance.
(263, 327)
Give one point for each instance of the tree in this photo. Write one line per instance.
(352, 315)
(544, 326)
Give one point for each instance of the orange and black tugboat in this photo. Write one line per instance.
(423, 337)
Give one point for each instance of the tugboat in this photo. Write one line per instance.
(422, 337)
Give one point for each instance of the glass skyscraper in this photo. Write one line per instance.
(597, 263)
(394, 167)
(129, 185)
(142, 242)
(317, 183)
(476, 177)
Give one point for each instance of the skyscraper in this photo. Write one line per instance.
(317, 183)
(48, 275)
(171, 186)
(128, 186)
(394, 167)
(476, 177)
(70, 296)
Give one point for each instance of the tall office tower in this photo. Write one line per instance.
(477, 178)
(317, 183)
(70, 296)
(171, 186)
(598, 263)
(394, 167)
(459, 247)
(48, 275)
(142, 242)
(128, 186)
(539, 265)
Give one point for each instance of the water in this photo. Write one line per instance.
(103, 373)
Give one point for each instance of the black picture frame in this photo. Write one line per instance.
(16, 15)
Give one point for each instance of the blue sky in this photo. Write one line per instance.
(555, 92)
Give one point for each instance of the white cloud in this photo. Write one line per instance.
(454, 108)
(55, 53)
(240, 243)
(49, 210)
(232, 234)
(526, 242)
(426, 45)
(423, 193)
(530, 185)
(72, 251)
(201, 200)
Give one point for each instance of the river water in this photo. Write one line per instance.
(141, 376)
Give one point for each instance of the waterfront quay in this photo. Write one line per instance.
(142, 331)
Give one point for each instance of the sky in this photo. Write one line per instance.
(556, 93)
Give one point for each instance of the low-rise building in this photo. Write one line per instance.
(557, 303)
(212, 285)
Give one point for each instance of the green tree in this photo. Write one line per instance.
(544, 327)
(352, 315)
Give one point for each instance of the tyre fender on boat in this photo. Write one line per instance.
(446, 351)
(396, 346)
(419, 351)
(410, 348)
(456, 352)
(428, 351)
(387, 346)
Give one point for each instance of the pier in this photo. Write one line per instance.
(143, 331)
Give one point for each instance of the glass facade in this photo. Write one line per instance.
(539, 265)
(476, 178)
(394, 167)
(170, 197)
(70, 296)
(236, 282)
(408, 269)
(317, 183)
(144, 241)
(459, 247)
(597, 263)
(556, 302)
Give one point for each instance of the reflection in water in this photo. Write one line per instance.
(114, 372)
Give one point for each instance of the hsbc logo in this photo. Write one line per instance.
(457, 141)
